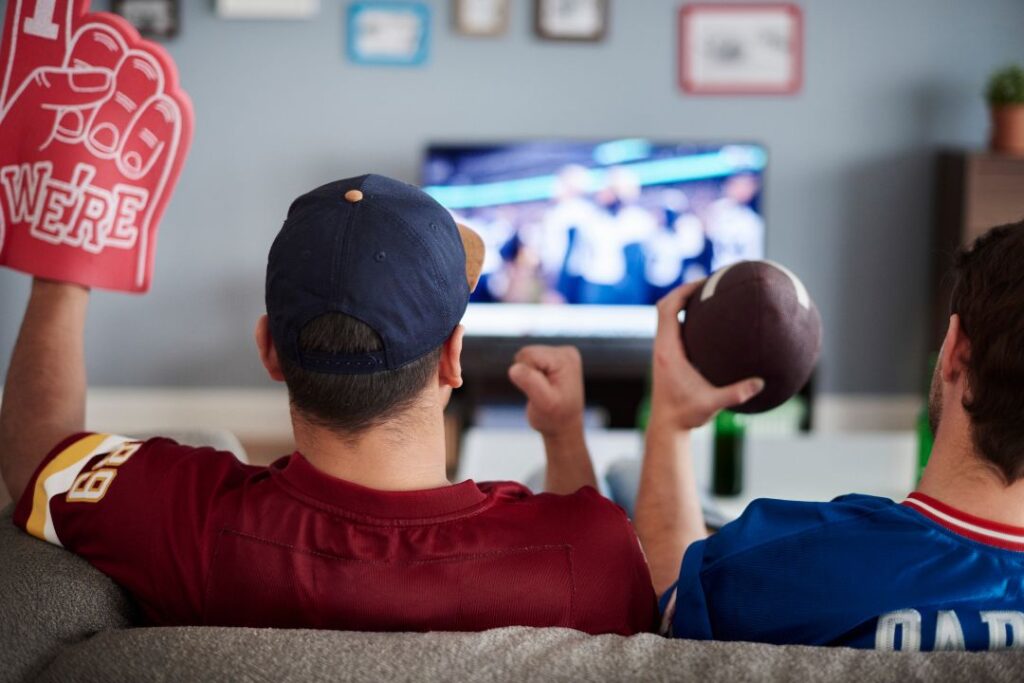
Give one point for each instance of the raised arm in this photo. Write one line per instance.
(552, 379)
(44, 394)
(668, 514)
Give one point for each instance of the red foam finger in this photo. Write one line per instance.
(86, 208)
(138, 79)
(71, 124)
(93, 45)
(153, 134)
(61, 88)
(96, 44)
(36, 34)
(27, 127)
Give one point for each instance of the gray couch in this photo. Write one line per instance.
(62, 620)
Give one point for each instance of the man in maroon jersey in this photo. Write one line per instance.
(359, 528)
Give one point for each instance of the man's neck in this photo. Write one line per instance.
(407, 454)
(959, 477)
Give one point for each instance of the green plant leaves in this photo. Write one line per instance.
(1006, 86)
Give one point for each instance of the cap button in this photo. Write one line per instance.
(354, 196)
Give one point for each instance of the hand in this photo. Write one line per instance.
(552, 379)
(679, 393)
(93, 135)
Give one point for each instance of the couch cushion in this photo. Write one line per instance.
(510, 654)
(49, 598)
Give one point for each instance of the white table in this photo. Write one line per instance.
(813, 467)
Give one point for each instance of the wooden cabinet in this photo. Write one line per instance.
(975, 191)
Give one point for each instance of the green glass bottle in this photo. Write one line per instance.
(727, 464)
(925, 437)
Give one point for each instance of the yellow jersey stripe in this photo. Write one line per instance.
(75, 454)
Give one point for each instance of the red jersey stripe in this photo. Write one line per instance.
(975, 528)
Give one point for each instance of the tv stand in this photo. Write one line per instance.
(615, 372)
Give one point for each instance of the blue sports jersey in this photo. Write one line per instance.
(860, 571)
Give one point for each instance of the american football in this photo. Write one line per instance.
(754, 319)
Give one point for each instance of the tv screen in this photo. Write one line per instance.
(582, 237)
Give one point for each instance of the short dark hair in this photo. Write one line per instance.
(988, 296)
(350, 404)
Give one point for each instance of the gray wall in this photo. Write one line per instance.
(279, 110)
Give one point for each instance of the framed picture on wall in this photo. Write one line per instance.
(152, 18)
(267, 9)
(481, 17)
(741, 48)
(388, 33)
(583, 20)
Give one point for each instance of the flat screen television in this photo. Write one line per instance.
(583, 237)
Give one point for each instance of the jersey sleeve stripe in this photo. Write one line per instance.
(57, 477)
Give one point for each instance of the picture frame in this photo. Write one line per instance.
(267, 9)
(160, 19)
(741, 49)
(571, 20)
(481, 18)
(388, 33)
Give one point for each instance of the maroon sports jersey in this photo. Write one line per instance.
(197, 537)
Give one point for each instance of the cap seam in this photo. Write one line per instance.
(340, 256)
(433, 263)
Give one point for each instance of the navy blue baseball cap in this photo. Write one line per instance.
(380, 251)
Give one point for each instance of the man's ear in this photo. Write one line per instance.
(955, 352)
(268, 353)
(450, 369)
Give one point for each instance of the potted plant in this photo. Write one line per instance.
(1005, 95)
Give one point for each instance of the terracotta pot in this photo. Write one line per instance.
(1008, 128)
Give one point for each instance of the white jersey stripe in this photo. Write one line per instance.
(60, 482)
(967, 526)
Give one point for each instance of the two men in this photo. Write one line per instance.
(359, 528)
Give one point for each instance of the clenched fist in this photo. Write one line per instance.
(552, 379)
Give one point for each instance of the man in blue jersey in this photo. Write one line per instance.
(942, 570)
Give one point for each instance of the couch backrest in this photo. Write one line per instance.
(509, 654)
(49, 598)
(60, 620)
